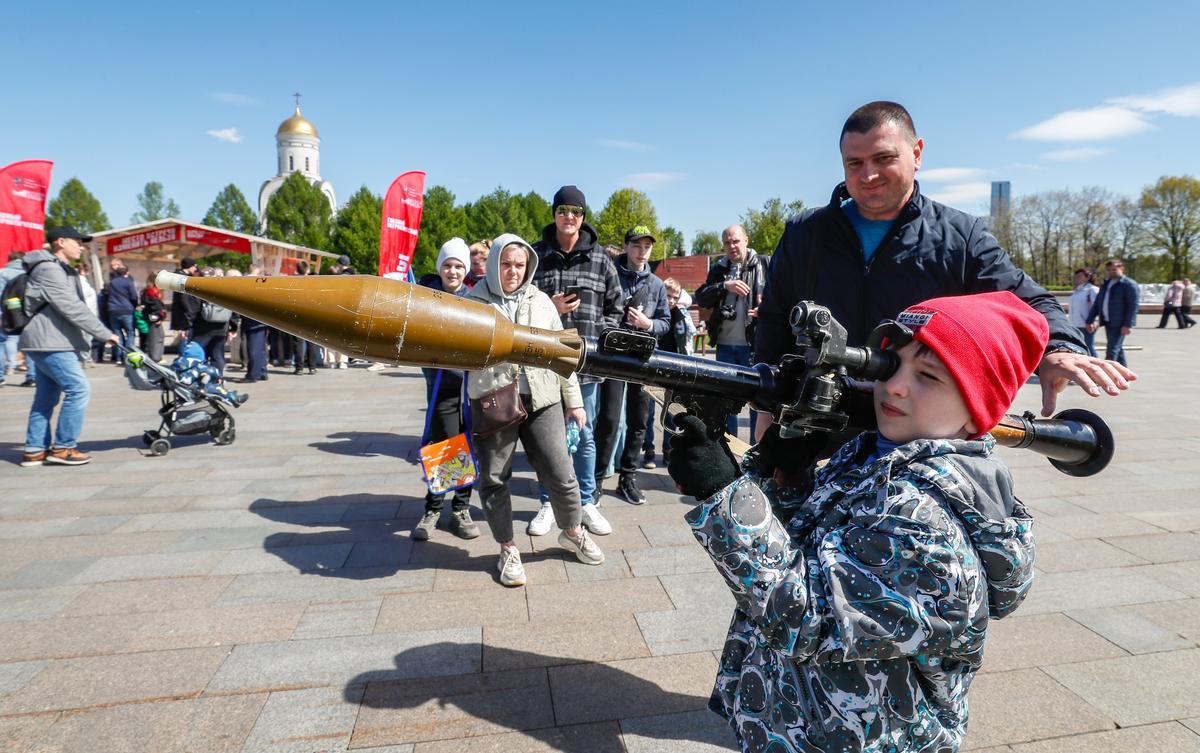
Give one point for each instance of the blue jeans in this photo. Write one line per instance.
(122, 324)
(584, 458)
(740, 356)
(1114, 350)
(59, 376)
(1089, 339)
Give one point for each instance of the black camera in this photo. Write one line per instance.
(729, 303)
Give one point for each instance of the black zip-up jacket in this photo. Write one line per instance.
(931, 250)
(712, 294)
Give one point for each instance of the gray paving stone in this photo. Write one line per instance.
(1087, 589)
(1182, 617)
(702, 590)
(352, 660)
(604, 737)
(1171, 736)
(395, 551)
(1180, 576)
(1192, 724)
(1129, 629)
(14, 675)
(1184, 520)
(215, 626)
(283, 559)
(1021, 641)
(224, 539)
(632, 687)
(46, 574)
(125, 597)
(576, 602)
(76, 547)
(683, 631)
(1083, 554)
(668, 560)
(603, 639)
(337, 619)
(149, 566)
(371, 511)
(24, 734)
(446, 609)
(1024, 705)
(479, 573)
(124, 678)
(1099, 526)
(67, 636)
(1161, 547)
(686, 732)
(668, 534)
(197, 725)
(1138, 689)
(36, 604)
(453, 707)
(345, 585)
(301, 721)
(614, 566)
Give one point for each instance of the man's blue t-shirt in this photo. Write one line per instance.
(870, 232)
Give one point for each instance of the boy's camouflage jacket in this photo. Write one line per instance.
(860, 623)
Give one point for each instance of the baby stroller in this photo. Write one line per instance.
(186, 408)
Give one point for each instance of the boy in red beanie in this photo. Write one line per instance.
(862, 608)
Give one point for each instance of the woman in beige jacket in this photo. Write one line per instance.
(506, 287)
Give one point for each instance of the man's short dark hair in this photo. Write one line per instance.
(1113, 263)
(875, 114)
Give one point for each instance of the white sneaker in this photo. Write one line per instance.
(540, 525)
(377, 367)
(584, 548)
(595, 522)
(512, 572)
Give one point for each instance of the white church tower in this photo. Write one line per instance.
(298, 148)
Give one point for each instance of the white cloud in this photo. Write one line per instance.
(1076, 155)
(1095, 124)
(231, 98)
(950, 174)
(226, 134)
(650, 181)
(1183, 101)
(625, 145)
(963, 195)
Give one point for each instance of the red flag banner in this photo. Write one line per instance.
(401, 222)
(23, 190)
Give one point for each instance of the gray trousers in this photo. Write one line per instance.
(543, 435)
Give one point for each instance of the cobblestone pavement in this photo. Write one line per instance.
(266, 596)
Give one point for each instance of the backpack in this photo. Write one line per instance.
(16, 314)
(210, 312)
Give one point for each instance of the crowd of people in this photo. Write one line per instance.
(887, 563)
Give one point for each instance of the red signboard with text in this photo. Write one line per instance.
(145, 239)
(216, 239)
(401, 222)
(23, 189)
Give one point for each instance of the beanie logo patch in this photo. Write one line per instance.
(915, 317)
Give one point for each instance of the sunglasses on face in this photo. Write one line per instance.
(565, 210)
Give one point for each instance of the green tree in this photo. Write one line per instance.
(153, 205)
(502, 212)
(76, 206)
(626, 208)
(356, 231)
(706, 242)
(764, 227)
(299, 213)
(669, 243)
(231, 211)
(1171, 211)
(441, 220)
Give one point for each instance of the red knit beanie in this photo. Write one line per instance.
(989, 342)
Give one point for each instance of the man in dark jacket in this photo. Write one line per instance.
(733, 290)
(185, 309)
(1116, 305)
(645, 311)
(880, 246)
(121, 301)
(582, 282)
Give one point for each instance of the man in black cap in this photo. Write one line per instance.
(60, 328)
(184, 308)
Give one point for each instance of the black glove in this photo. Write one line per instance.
(701, 462)
(789, 461)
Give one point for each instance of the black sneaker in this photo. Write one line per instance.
(627, 489)
(648, 460)
(462, 526)
(425, 525)
(312, 371)
(298, 371)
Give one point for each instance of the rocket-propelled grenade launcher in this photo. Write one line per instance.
(379, 319)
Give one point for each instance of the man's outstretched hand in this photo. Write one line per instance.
(1094, 375)
(700, 463)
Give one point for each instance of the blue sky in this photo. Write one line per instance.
(710, 108)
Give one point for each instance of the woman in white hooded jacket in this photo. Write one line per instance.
(506, 287)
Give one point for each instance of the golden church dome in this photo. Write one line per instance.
(297, 125)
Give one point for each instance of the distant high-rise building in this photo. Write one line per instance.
(1001, 198)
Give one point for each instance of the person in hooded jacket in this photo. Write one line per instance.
(443, 399)
(862, 609)
(507, 287)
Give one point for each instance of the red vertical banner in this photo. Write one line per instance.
(401, 222)
(23, 190)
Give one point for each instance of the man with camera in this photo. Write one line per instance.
(881, 245)
(733, 290)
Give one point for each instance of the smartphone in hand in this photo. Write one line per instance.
(574, 290)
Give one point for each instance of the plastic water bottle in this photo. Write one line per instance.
(572, 436)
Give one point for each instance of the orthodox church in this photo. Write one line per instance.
(298, 148)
